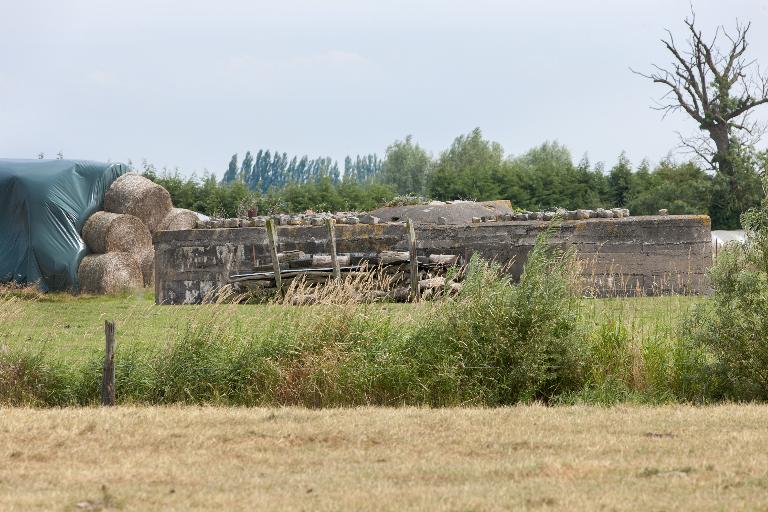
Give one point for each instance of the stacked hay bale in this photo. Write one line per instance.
(117, 234)
(136, 195)
(120, 238)
(114, 272)
(178, 219)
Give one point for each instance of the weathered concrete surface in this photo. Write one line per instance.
(459, 212)
(645, 255)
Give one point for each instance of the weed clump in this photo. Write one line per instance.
(28, 378)
(500, 343)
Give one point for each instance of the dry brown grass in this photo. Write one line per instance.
(353, 288)
(569, 458)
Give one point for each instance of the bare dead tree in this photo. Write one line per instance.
(717, 86)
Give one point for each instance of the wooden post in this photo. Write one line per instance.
(108, 378)
(414, 260)
(330, 224)
(272, 236)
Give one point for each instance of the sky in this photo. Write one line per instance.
(187, 83)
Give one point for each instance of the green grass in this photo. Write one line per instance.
(643, 315)
(75, 325)
(72, 327)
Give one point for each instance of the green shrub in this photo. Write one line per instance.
(732, 325)
(499, 344)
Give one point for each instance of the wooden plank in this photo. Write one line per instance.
(414, 261)
(330, 225)
(272, 239)
(389, 257)
(108, 377)
(396, 268)
(443, 259)
(327, 260)
(285, 274)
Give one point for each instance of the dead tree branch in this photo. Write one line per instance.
(715, 84)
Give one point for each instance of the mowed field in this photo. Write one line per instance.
(519, 458)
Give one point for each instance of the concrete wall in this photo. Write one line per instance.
(648, 255)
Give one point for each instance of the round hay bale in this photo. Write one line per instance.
(114, 272)
(135, 195)
(178, 219)
(114, 232)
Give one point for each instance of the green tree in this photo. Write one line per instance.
(681, 188)
(738, 190)
(620, 181)
(591, 187)
(246, 168)
(545, 177)
(231, 174)
(406, 167)
(469, 169)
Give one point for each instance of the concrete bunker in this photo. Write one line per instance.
(647, 255)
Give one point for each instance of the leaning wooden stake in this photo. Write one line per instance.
(272, 236)
(108, 378)
(415, 295)
(330, 224)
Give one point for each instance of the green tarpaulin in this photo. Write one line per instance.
(43, 206)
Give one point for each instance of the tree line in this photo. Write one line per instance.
(473, 167)
(267, 170)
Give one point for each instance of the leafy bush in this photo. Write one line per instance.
(640, 363)
(499, 344)
(732, 324)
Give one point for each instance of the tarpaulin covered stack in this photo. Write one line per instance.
(43, 207)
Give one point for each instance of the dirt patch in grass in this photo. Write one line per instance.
(520, 458)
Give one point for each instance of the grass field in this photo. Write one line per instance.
(74, 326)
(520, 458)
(617, 350)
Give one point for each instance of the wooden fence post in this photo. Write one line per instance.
(414, 261)
(330, 224)
(272, 236)
(108, 378)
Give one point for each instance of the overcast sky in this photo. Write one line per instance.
(187, 83)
